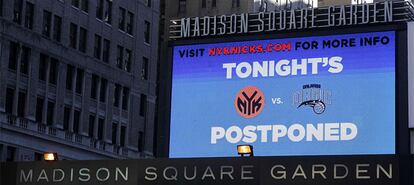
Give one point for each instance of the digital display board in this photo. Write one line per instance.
(321, 95)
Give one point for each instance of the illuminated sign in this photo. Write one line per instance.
(295, 19)
(325, 95)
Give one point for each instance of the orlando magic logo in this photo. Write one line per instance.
(313, 96)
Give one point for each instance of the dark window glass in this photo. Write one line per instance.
(47, 22)
(50, 112)
(11, 153)
(9, 100)
(130, 23)
(43, 66)
(148, 3)
(66, 118)
(13, 55)
(108, 12)
(79, 81)
(69, 77)
(140, 141)
(73, 35)
(121, 23)
(120, 57)
(100, 128)
(17, 11)
(28, 19)
(85, 5)
(75, 3)
(123, 132)
(117, 94)
(53, 73)
(125, 98)
(76, 121)
(144, 70)
(57, 28)
(21, 105)
(99, 9)
(98, 47)
(182, 5)
(83, 38)
(38, 156)
(25, 60)
(94, 86)
(106, 50)
(91, 125)
(1, 7)
(143, 105)
(128, 60)
(214, 3)
(114, 132)
(39, 109)
(203, 3)
(102, 96)
(147, 32)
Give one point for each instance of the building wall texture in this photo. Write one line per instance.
(84, 86)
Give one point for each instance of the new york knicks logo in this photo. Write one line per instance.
(249, 102)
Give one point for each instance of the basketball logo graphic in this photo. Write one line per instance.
(249, 102)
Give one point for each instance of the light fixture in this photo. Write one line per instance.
(245, 149)
(50, 156)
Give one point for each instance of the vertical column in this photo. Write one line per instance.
(32, 86)
(85, 103)
(44, 120)
(98, 97)
(4, 50)
(72, 107)
(109, 110)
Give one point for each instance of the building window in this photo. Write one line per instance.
(79, 81)
(140, 141)
(203, 3)
(73, 34)
(144, 70)
(9, 100)
(143, 105)
(47, 22)
(11, 154)
(1, 7)
(28, 19)
(91, 126)
(43, 66)
(24, 61)
(57, 28)
(117, 94)
(130, 23)
(101, 123)
(98, 47)
(85, 5)
(39, 109)
(106, 50)
(83, 38)
(50, 112)
(114, 132)
(13, 55)
(128, 60)
(147, 3)
(123, 132)
(147, 31)
(94, 86)
(21, 104)
(214, 3)
(69, 76)
(99, 9)
(121, 22)
(102, 94)
(235, 3)
(76, 121)
(53, 72)
(38, 156)
(108, 12)
(182, 5)
(66, 118)
(120, 56)
(125, 98)
(75, 3)
(17, 11)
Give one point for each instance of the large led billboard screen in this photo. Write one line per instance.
(321, 95)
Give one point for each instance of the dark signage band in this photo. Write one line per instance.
(273, 21)
(261, 170)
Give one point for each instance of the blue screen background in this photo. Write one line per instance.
(363, 94)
